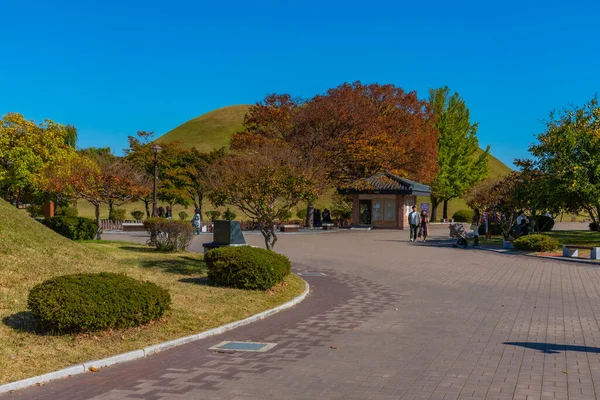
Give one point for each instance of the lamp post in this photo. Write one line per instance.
(155, 150)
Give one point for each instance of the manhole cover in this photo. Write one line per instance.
(244, 346)
(312, 273)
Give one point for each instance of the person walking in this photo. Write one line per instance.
(169, 213)
(414, 220)
(424, 226)
(475, 222)
(197, 221)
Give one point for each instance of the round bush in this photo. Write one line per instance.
(301, 213)
(137, 215)
(74, 228)
(183, 216)
(94, 302)
(246, 267)
(67, 211)
(463, 216)
(593, 226)
(536, 243)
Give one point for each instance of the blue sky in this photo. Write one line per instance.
(114, 67)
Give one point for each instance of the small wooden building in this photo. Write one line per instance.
(384, 200)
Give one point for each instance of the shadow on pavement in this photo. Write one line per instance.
(551, 348)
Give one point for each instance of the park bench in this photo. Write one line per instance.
(289, 228)
(570, 250)
(133, 227)
(329, 227)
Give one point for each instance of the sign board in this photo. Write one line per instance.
(424, 207)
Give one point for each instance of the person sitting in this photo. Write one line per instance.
(326, 217)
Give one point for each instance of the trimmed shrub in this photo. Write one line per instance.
(183, 216)
(74, 228)
(94, 302)
(536, 243)
(301, 213)
(67, 211)
(36, 210)
(593, 226)
(463, 216)
(229, 215)
(137, 215)
(169, 235)
(544, 223)
(213, 215)
(245, 267)
(118, 214)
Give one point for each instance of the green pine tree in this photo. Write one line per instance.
(459, 165)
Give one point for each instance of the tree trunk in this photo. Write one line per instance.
(310, 211)
(110, 210)
(434, 206)
(147, 205)
(269, 235)
(98, 223)
(445, 210)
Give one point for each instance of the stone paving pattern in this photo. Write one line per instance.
(390, 320)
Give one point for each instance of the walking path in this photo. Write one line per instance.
(389, 320)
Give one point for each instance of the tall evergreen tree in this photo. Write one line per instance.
(459, 165)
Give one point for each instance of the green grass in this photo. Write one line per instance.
(31, 253)
(582, 238)
(209, 131)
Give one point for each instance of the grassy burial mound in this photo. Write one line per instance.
(31, 253)
(209, 131)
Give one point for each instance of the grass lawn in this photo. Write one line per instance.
(31, 253)
(582, 238)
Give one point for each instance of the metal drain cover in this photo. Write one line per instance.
(243, 346)
(312, 273)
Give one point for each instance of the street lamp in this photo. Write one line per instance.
(155, 150)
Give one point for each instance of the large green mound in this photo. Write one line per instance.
(214, 130)
(209, 131)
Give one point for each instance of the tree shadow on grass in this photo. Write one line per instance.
(551, 348)
(181, 265)
(202, 281)
(146, 249)
(23, 322)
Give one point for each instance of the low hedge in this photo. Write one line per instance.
(170, 235)
(494, 228)
(536, 242)
(245, 267)
(463, 216)
(94, 302)
(74, 228)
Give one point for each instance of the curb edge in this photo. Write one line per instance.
(146, 351)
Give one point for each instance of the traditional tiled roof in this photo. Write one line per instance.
(388, 183)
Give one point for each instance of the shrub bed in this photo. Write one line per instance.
(494, 228)
(245, 267)
(463, 216)
(536, 243)
(544, 223)
(94, 302)
(170, 235)
(74, 228)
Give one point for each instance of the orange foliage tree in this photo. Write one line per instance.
(97, 180)
(350, 132)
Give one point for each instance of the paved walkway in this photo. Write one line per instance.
(390, 320)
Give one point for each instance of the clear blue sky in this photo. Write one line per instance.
(114, 67)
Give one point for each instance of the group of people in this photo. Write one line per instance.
(321, 218)
(419, 224)
(165, 212)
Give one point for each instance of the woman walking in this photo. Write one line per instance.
(424, 226)
(197, 221)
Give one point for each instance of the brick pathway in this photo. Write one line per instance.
(405, 322)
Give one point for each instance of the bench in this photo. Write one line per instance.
(289, 228)
(573, 251)
(133, 227)
(329, 227)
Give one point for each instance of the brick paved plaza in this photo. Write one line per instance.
(390, 320)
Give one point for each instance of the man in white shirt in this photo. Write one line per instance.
(414, 219)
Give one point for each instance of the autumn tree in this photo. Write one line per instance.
(264, 183)
(26, 150)
(459, 165)
(348, 133)
(97, 180)
(567, 151)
